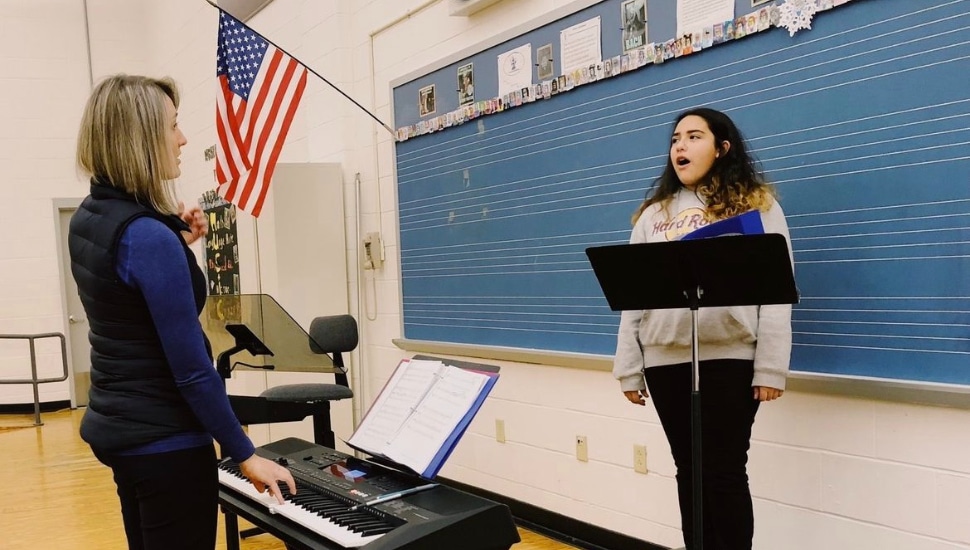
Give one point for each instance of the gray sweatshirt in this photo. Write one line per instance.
(651, 338)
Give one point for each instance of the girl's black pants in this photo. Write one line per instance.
(728, 409)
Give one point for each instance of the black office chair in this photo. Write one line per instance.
(331, 335)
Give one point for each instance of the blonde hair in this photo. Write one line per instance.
(724, 201)
(122, 141)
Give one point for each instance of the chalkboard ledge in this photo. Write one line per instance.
(585, 361)
(884, 389)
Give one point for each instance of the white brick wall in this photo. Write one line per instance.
(827, 472)
(43, 50)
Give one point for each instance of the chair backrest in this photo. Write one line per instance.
(334, 334)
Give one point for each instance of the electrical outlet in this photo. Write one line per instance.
(499, 430)
(582, 451)
(640, 459)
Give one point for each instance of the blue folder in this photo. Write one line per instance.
(439, 460)
(748, 223)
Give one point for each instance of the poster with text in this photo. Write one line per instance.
(634, 17)
(221, 245)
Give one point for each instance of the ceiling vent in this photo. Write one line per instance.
(466, 8)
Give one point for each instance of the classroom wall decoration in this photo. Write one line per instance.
(793, 15)
(221, 245)
(858, 110)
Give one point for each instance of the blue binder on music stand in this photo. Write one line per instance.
(748, 223)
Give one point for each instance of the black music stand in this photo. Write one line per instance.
(738, 270)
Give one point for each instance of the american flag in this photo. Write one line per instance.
(259, 91)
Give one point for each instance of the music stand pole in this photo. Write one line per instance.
(697, 494)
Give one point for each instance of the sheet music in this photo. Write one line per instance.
(419, 440)
(395, 404)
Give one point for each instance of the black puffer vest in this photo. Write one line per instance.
(133, 398)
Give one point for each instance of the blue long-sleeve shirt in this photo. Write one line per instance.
(151, 259)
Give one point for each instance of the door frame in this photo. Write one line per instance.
(61, 205)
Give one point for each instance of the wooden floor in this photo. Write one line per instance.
(57, 495)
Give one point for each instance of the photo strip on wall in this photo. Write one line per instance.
(638, 53)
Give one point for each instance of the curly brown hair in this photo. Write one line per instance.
(737, 183)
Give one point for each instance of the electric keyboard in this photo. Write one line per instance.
(330, 483)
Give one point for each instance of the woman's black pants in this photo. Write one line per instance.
(168, 500)
(728, 409)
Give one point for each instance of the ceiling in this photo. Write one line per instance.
(242, 9)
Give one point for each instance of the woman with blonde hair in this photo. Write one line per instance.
(156, 403)
(744, 351)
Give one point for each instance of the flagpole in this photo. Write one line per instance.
(318, 75)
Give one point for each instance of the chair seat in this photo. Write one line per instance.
(307, 392)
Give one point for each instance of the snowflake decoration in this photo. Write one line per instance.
(796, 15)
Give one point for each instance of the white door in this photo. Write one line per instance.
(77, 321)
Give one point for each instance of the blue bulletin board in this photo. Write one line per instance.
(862, 123)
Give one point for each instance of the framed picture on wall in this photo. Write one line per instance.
(466, 85)
(426, 100)
(544, 62)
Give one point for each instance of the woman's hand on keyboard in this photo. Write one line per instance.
(264, 474)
